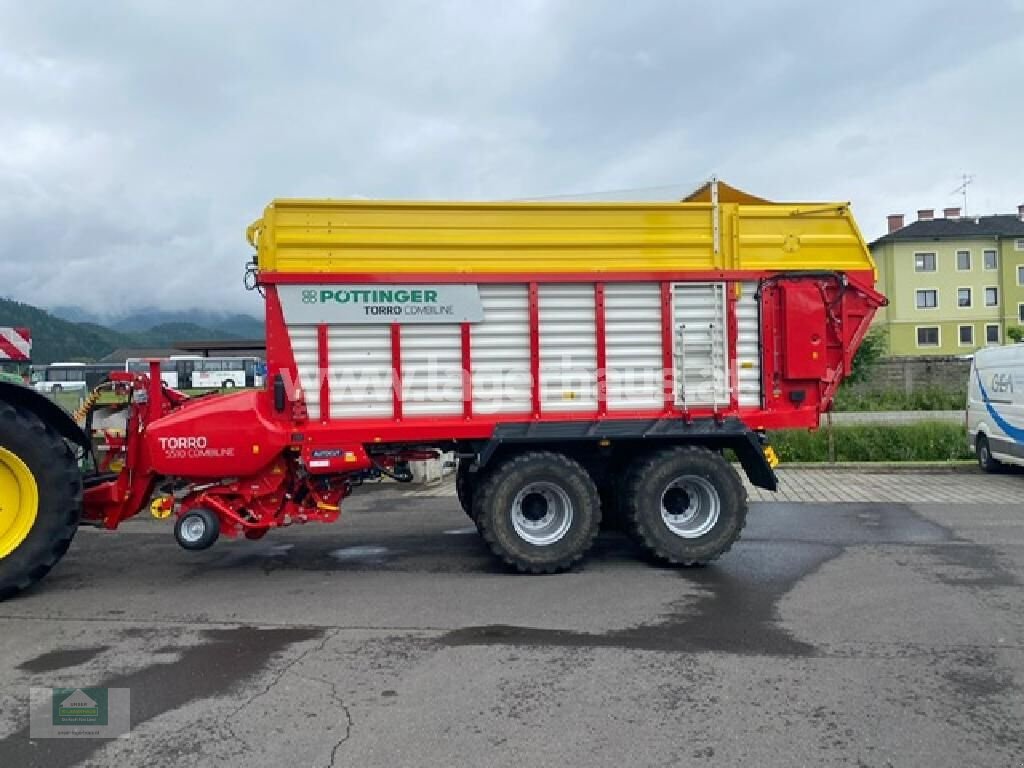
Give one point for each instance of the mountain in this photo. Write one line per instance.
(225, 324)
(54, 338)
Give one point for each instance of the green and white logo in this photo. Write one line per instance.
(361, 304)
(79, 713)
(80, 706)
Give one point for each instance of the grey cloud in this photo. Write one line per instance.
(138, 139)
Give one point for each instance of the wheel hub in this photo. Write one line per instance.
(193, 529)
(542, 513)
(690, 506)
(19, 501)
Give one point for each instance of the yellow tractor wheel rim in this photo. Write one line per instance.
(19, 501)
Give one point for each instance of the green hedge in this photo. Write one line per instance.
(925, 441)
(893, 400)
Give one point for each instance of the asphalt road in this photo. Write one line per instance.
(832, 635)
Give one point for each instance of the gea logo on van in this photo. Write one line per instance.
(1002, 382)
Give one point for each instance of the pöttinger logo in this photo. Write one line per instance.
(310, 297)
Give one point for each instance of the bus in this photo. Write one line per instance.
(193, 372)
(69, 377)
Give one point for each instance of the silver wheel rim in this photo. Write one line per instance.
(193, 529)
(690, 506)
(983, 452)
(541, 513)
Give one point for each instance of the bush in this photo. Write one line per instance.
(926, 441)
(933, 399)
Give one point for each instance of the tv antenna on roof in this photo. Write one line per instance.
(968, 179)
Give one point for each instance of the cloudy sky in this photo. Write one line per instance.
(138, 139)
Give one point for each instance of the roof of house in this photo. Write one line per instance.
(121, 354)
(224, 346)
(1006, 225)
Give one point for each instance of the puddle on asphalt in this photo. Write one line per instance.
(226, 659)
(62, 658)
(736, 607)
(359, 553)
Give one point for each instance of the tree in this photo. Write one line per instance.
(874, 347)
(1015, 333)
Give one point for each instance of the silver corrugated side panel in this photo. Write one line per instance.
(431, 370)
(500, 351)
(568, 347)
(633, 343)
(359, 358)
(748, 346)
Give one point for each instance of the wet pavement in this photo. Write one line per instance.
(845, 634)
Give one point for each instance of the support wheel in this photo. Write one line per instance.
(197, 529)
(686, 506)
(539, 511)
(40, 499)
(984, 453)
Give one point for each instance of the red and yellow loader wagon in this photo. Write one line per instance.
(579, 359)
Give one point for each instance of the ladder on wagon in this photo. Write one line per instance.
(701, 347)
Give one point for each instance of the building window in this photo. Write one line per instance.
(1020, 314)
(991, 260)
(963, 297)
(1018, 244)
(991, 334)
(991, 296)
(924, 262)
(1020, 275)
(927, 299)
(928, 336)
(963, 261)
(966, 335)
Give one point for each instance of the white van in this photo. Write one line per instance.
(995, 406)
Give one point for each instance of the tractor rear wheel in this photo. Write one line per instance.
(40, 499)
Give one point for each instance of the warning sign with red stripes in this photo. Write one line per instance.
(15, 344)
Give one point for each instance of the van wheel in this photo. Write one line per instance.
(984, 453)
(538, 511)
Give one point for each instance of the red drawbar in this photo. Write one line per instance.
(602, 350)
(534, 350)
(396, 369)
(467, 372)
(324, 360)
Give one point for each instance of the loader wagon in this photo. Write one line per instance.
(579, 360)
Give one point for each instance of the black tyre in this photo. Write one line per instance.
(686, 505)
(538, 511)
(197, 529)
(228, 384)
(983, 451)
(40, 499)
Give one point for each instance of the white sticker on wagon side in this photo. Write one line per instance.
(371, 304)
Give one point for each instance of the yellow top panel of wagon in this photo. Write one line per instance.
(738, 232)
